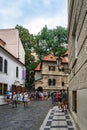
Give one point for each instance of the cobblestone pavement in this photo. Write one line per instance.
(56, 120)
(20, 118)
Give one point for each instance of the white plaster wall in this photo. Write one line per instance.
(13, 43)
(21, 52)
(10, 77)
(10, 36)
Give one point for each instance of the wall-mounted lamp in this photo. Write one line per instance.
(65, 65)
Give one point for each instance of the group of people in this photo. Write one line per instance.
(60, 98)
(16, 98)
(42, 95)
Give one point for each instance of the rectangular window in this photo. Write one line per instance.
(62, 83)
(5, 66)
(3, 88)
(51, 68)
(1, 64)
(74, 101)
(16, 72)
(0, 89)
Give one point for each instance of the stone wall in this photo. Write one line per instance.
(77, 34)
(59, 76)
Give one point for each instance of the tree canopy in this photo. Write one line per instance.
(51, 41)
(45, 42)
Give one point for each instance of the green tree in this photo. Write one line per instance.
(45, 42)
(27, 41)
(51, 40)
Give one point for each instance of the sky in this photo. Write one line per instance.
(33, 14)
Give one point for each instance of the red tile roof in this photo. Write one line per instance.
(64, 60)
(66, 53)
(2, 42)
(38, 68)
(52, 58)
(49, 57)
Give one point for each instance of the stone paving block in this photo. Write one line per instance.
(59, 117)
(50, 117)
(59, 129)
(47, 129)
(69, 123)
(58, 121)
(48, 123)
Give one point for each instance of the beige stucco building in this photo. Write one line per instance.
(49, 76)
(77, 40)
(13, 43)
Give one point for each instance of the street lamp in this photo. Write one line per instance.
(65, 67)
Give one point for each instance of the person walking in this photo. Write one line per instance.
(26, 99)
(64, 100)
(14, 100)
(53, 96)
(57, 98)
(8, 96)
(60, 100)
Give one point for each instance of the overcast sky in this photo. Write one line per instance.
(33, 14)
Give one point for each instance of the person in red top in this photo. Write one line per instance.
(57, 98)
(60, 100)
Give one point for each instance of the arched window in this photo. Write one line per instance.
(5, 66)
(17, 72)
(54, 82)
(62, 69)
(1, 64)
(49, 82)
(62, 83)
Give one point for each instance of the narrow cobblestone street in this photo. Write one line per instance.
(20, 118)
(39, 115)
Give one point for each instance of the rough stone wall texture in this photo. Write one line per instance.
(78, 76)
